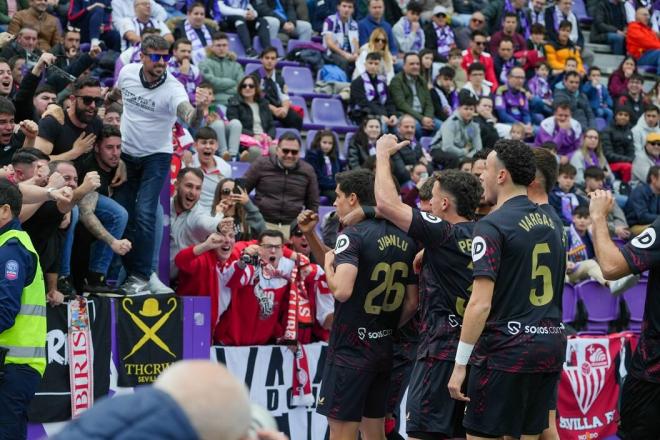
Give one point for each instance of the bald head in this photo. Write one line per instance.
(216, 403)
(642, 15)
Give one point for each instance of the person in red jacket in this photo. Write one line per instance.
(476, 53)
(642, 43)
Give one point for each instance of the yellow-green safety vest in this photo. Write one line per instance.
(26, 339)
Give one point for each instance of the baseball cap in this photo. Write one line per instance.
(653, 137)
(439, 9)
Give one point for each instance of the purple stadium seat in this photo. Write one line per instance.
(310, 138)
(602, 307)
(581, 12)
(251, 67)
(568, 303)
(276, 43)
(300, 81)
(307, 121)
(635, 298)
(329, 112)
(235, 45)
(601, 124)
(238, 169)
(425, 142)
(343, 152)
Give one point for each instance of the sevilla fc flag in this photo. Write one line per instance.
(589, 386)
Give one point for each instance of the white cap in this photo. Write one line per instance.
(439, 9)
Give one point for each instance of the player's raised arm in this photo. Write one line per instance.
(610, 259)
(388, 202)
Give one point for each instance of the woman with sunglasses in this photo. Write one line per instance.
(233, 201)
(377, 43)
(252, 110)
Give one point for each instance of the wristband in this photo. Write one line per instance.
(463, 353)
(369, 212)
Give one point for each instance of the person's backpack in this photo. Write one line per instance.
(332, 73)
(309, 57)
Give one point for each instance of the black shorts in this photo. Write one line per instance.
(430, 409)
(640, 408)
(403, 360)
(348, 394)
(511, 404)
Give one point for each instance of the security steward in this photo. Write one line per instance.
(22, 317)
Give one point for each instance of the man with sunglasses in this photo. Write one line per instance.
(463, 35)
(477, 52)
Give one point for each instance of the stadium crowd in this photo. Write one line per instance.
(103, 103)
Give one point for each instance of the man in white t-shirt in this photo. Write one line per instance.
(131, 28)
(152, 102)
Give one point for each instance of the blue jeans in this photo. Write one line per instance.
(650, 58)
(114, 218)
(140, 196)
(605, 113)
(90, 29)
(17, 389)
(65, 265)
(617, 42)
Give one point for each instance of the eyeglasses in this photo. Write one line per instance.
(476, 20)
(380, 40)
(271, 247)
(517, 77)
(286, 151)
(247, 86)
(155, 57)
(226, 191)
(88, 100)
(480, 43)
(655, 144)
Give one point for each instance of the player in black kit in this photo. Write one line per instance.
(519, 265)
(640, 401)
(371, 277)
(445, 284)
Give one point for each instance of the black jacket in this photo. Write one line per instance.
(487, 131)
(618, 143)
(360, 107)
(237, 108)
(269, 87)
(608, 18)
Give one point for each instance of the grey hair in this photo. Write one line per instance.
(154, 42)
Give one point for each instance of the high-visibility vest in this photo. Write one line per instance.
(26, 339)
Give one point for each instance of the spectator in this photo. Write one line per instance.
(598, 96)
(112, 115)
(476, 53)
(323, 156)
(363, 144)
(618, 144)
(540, 103)
(454, 61)
(43, 95)
(370, 94)
(196, 31)
(213, 167)
(147, 151)
(283, 17)
(563, 197)
(641, 41)
(94, 22)
(26, 44)
(496, 10)
(410, 191)
(560, 128)
(228, 132)
(438, 35)
(646, 159)
(590, 154)
(408, 31)
(555, 16)
(377, 43)
(81, 126)
(283, 184)
(486, 121)
(464, 11)
(594, 179)
(132, 54)
(221, 70)
(560, 50)
(373, 20)
(459, 136)
(341, 37)
(444, 95)
(10, 139)
(275, 91)
(581, 264)
(252, 110)
(511, 101)
(132, 29)
(517, 132)
(650, 123)
(504, 61)
(241, 16)
(536, 40)
(411, 96)
(6, 12)
(654, 94)
(643, 205)
(182, 68)
(125, 9)
(634, 99)
(570, 93)
(17, 65)
(406, 157)
(476, 74)
(509, 26)
(537, 13)
(38, 18)
(618, 82)
(236, 205)
(609, 25)
(102, 220)
(464, 34)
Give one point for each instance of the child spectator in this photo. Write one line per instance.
(323, 157)
(444, 95)
(599, 98)
(618, 144)
(517, 132)
(213, 167)
(476, 84)
(454, 61)
(563, 197)
(540, 103)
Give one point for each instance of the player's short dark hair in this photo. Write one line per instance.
(517, 159)
(549, 145)
(183, 172)
(271, 233)
(464, 187)
(359, 182)
(267, 50)
(414, 6)
(546, 167)
(11, 195)
(567, 169)
(594, 172)
(653, 172)
(6, 106)
(483, 153)
(215, 36)
(565, 24)
(581, 211)
(374, 56)
(85, 81)
(28, 155)
(206, 133)
(426, 190)
(108, 131)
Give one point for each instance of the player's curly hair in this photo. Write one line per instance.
(546, 166)
(464, 187)
(518, 160)
(359, 182)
